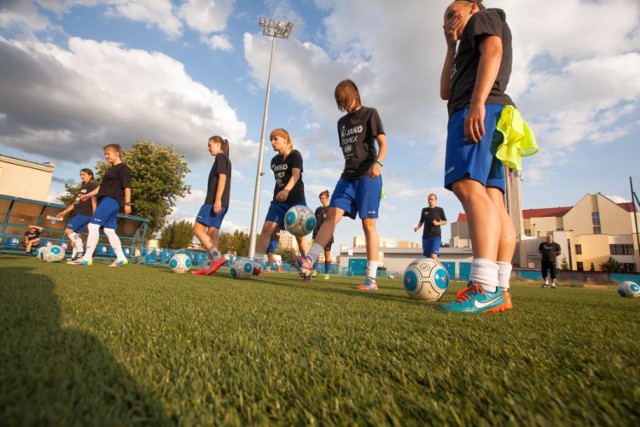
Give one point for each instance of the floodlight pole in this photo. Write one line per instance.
(273, 30)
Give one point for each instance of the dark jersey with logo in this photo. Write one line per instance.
(32, 235)
(282, 168)
(357, 132)
(221, 166)
(80, 207)
(549, 251)
(488, 22)
(114, 181)
(427, 217)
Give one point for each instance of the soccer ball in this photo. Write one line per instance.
(180, 263)
(425, 279)
(629, 289)
(53, 253)
(242, 268)
(41, 252)
(300, 220)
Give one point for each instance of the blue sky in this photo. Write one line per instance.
(78, 74)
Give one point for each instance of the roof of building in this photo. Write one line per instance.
(550, 212)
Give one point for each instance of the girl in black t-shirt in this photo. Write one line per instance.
(216, 204)
(114, 191)
(81, 212)
(288, 192)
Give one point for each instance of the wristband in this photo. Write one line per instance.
(378, 161)
(127, 203)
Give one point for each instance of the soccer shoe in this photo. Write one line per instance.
(215, 265)
(544, 285)
(474, 299)
(266, 272)
(201, 272)
(80, 261)
(505, 306)
(257, 268)
(314, 273)
(368, 285)
(304, 266)
(119, 262)
(326, 277)
(78, 255)
(553, 286)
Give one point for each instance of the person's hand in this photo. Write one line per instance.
(416, 228)
(375, 170)
(60, 216)
(282, 195)
(217, 207)
(451, 29)
(474, 123)
(127, 210)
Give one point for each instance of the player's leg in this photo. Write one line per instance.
(506, 245)
(544, 270)
(327, 261)
(368, 196)
(552, 273)
(106, 211)
(262, 242)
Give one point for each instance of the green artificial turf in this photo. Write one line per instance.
(142, 345)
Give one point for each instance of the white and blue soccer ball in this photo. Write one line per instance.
(180, 263)
(425, 279)
(629, 289)
(242, 268)
(299, 220)
(53, 253)
(40, 254)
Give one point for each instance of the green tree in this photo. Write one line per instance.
(177, 235)
(564, 265)
(237, 242)
(157, 180)
(611, 265)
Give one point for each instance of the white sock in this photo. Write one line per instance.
(259, 258)
(484, 272)
(215, 254)
(504, 274)
(372, 269)
(92, 241)
(77, 242)
(314, 252)
(114, 241)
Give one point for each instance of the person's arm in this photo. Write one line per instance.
(284, 193)
(490, 58)
(376, 168)
(92, 193)
(94, 204)
(36, 227)
(450, 25)
(217, 203)
(127, 201)
(66, 211)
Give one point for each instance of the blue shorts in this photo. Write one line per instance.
(278, 210)
(358, 196)
(106, 213)
(273, 245)
(78, 222)
(207, 217)
(475, 161)
(431, 246)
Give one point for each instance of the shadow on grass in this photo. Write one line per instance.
(50, 375)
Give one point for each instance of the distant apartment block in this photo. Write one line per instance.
(24, 178)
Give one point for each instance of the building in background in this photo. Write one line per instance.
(589, 233)
(24, 178)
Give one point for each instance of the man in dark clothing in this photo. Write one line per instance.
(549, 251)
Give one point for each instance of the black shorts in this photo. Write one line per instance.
(548, 267)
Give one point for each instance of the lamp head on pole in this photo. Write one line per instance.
(273, 28)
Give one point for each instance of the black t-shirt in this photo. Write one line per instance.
(282, 168)
(84, 207)
(488, 22)
(32, 235)
(427, 216)
(321, 215)
(114, 181)
(549, 251)
(357, 132)
(221, 166)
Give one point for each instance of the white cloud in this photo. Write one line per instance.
(218, 43)
(155, 13)
(206, 16)
(98, 93)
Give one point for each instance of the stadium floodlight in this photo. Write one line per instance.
(275, 30)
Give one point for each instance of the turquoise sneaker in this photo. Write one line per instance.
(368, 285)
(81, 262)
(474, 299)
